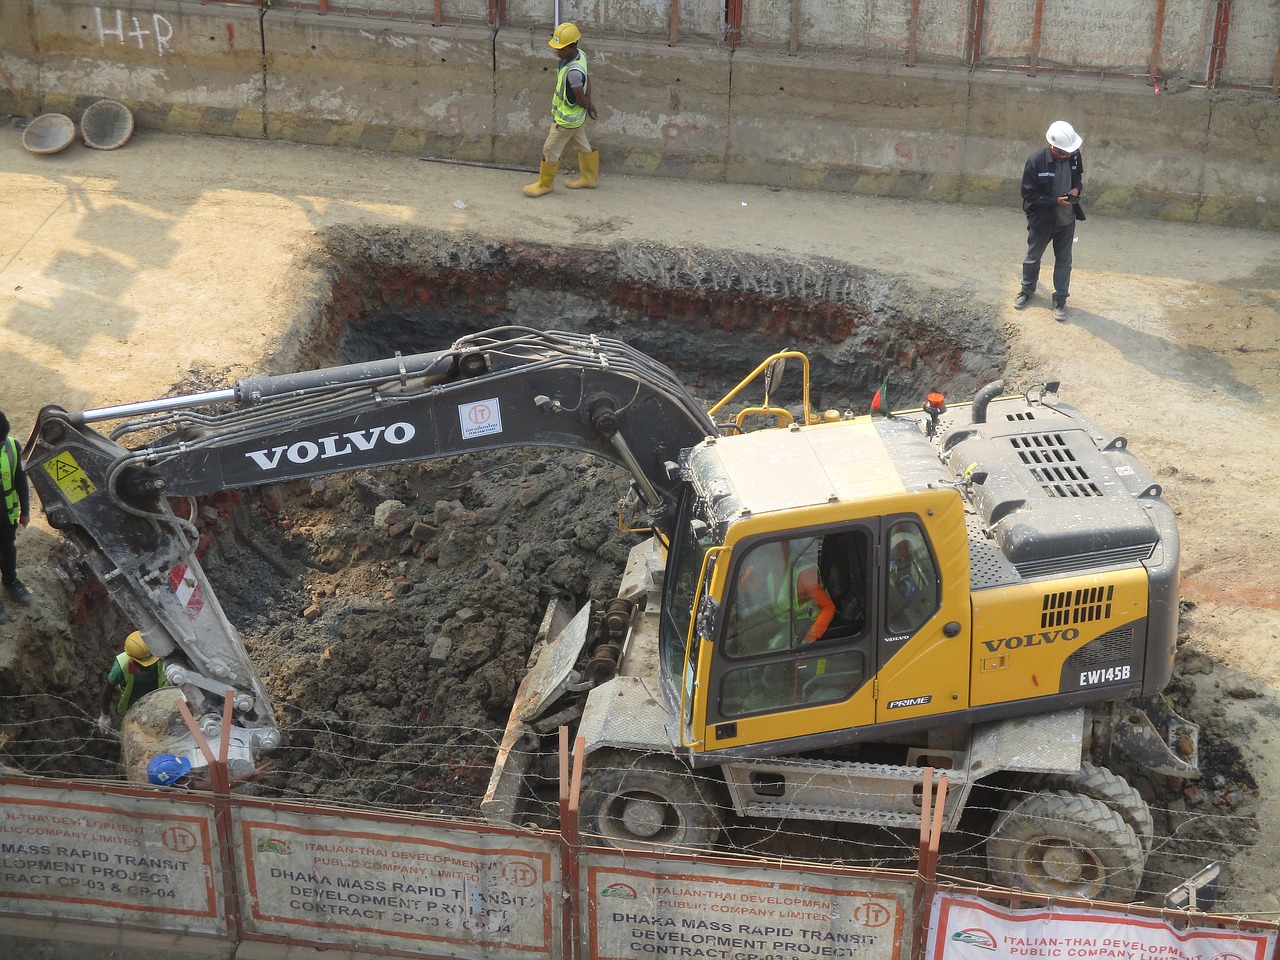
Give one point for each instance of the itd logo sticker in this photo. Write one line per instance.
(483, 418)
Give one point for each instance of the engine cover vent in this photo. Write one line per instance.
(1068, 607)
(1054, 466)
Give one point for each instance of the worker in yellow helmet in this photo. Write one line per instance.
(570, 106)
(134, 674)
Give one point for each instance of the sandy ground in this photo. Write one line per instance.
(122, 272)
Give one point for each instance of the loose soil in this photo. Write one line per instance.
(179, 263)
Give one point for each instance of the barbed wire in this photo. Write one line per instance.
(445, 770)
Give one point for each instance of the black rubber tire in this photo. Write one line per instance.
(1064, 844)
(1101, 784)
(648, 802)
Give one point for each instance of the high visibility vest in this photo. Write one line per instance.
(8, 476)
(783, 598)
(126, 688)
(564, 111)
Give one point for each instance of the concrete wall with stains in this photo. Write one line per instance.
(823, 116)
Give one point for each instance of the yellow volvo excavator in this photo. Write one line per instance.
(826, 604)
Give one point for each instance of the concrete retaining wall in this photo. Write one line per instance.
(698, 109)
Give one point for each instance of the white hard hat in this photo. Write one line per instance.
(1063, 136)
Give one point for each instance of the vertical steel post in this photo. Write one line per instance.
(793, 46)
(733, 23)
(220, 775)
(913, 33)
(569, 797)
(1218, 46)
(923, 880)
(438, 18)
(673, 23)
(1035, 37)
(973, 33)
(1153, 68)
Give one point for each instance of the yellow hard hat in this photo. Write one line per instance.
(137, 649)
(565, 34)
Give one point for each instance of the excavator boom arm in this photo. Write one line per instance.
(506, 387)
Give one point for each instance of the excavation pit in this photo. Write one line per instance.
(391, 612)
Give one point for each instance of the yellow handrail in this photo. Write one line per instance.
(768, 408)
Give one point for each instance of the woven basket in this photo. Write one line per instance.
(49, 133)
(107, 125)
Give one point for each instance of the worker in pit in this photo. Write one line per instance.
(134, 674)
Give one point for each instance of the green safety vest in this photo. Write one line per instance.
(806, 609)
(8, 475)
(783, 600)
(564, 111)
(126, 687)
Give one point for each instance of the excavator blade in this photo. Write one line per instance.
(556, 649)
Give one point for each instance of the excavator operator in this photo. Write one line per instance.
(778, 593)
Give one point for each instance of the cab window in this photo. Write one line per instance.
(912, 581)
(794, 607)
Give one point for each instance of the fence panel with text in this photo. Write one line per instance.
(634, 906)
(318, 877)
(80, 853)
(969, 928)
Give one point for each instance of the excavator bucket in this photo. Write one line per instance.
(1150, 733)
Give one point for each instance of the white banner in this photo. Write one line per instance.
(967, 928)
(707, 911)
(398, 884)
(85, 855)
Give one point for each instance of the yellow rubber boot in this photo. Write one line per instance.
(589, 171)
(546, 177)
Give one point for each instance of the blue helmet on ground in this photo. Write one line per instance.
(166, 769)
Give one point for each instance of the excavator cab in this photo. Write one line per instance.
(812, 611)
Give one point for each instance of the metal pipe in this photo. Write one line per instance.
(794, 46)
(647, 489)
(673, 23)
(146, 407)
(480, 163)
(250, 390)
(982, 399)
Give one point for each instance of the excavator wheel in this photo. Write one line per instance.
(647, 802)
(1101, 784)
(1065, 844)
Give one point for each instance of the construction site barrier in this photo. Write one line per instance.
(230, 875)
